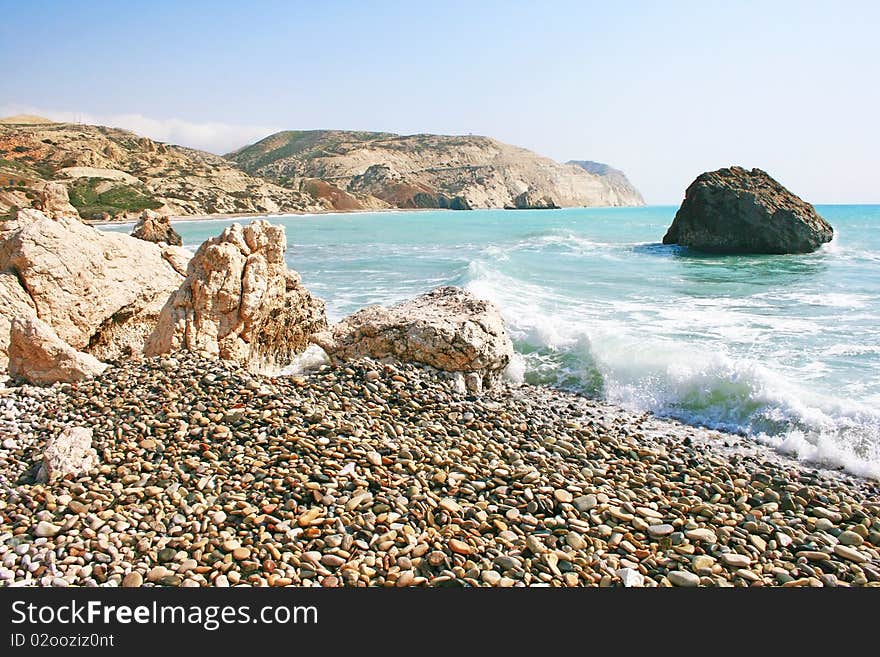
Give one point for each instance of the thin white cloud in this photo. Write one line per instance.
(212, 136)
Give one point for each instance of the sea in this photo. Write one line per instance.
(784, 349)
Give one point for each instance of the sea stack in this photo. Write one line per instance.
(155, 227)
(734, 210)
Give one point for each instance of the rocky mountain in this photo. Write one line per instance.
(116, 174)
(615, 178)
(428, 171)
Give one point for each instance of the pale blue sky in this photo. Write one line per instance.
(663, 90)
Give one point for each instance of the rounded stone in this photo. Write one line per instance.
(133, 580)
(683, 578)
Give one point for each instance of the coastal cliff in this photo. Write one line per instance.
(112, 174)
(615, 179)
(427, 171)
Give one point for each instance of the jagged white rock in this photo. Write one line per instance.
(240, 302)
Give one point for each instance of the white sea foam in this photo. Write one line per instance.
(310, 359)
(849, 349)
(687, 380)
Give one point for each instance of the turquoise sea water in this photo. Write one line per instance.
(783, 348)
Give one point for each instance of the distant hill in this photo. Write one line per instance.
(114, 174)
(614, 177)
(427, 171)
(24, 119)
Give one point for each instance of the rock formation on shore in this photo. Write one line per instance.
(70, 293)
(100, 292)
(423, 171)
(528, 201)
(54, 201)
(239, 302)
(447, 328)
(738, 211)
(155, 227)
(37, 355)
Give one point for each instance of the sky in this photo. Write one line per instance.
(662, 90)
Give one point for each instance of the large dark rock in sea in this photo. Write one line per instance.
(738, 211)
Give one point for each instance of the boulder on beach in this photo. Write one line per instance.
(447, 328)
(155, 227)
(240, 302)
(37, 355)
(70, 453)
(101, 292)
(738, 211)
(14, 302)
(53, 200)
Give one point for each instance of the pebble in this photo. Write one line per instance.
(562, 496)
(46, 529)
(505, 562)
(824, 525)
(631, 577)
(241, 554)
(850, 538)
(850, 553)
(736, 560)
(758, 542)
(585, 502)
(683, 578)
(535, 545)
(702, 562)
(658, 531)
(133, 580)
(575, 541)
(702, 534)
(332, 560)
(491, 577)
(448, 504)
(157, 573)
(166, 554)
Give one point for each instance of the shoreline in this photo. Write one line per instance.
(240, 215)
(293, 213)
(380, 474)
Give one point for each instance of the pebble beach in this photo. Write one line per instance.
(383, 474)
